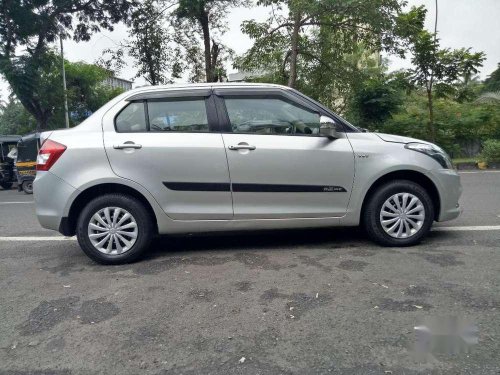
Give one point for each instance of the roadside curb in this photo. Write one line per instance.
(474, 166)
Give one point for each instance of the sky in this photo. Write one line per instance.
(461, 23)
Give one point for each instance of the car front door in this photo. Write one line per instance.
(168, 143)
(280, 166)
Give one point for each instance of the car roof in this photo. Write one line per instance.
(206, 86)
(187, 89)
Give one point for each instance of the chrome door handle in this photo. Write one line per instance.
(242, 147)
(127, 145)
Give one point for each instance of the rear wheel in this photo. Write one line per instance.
(27, 187)
(114, 229)
(399, 213)
(6, 185)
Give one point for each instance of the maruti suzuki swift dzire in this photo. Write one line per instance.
(220, 157)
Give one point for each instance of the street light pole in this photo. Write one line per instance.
(66, 116)
(436, 22)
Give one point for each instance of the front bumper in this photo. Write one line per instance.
(52, 195)
(450, 190)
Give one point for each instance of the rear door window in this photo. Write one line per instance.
(187, 116)
(131, 119)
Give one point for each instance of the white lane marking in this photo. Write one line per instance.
(48, 238)
(435, 229)
(472, 172)
(16, 203)
(465, 229)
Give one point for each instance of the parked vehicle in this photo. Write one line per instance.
(221, 157)
(7, 175)
(27, 151)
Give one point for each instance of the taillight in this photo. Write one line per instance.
(48, 154)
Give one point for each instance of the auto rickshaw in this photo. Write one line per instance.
(27, 151)
(7, 175)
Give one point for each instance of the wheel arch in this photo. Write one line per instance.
(410, 175)
(68, 223)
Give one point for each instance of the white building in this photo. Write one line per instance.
(115, 82)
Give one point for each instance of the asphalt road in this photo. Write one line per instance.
(290, 302)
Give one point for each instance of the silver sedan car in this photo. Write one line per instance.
(221, 157)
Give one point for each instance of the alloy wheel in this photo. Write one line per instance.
(402, 215)
(112, 230)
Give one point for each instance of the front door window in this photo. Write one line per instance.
(271, 116)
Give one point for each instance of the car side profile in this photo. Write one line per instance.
(221, 157)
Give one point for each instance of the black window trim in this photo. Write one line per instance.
(171, 93)
(217, 117)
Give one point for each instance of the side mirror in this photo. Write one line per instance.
(327, 127)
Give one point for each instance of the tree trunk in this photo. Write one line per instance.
(151, 68)
(214, 56)
(292, 79)
(41, 123)
(432, 127)
(203, 19)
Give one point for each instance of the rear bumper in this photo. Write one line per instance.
(450, 190)
(51, 197)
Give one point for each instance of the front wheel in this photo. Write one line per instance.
(399, 213)
(114, 229)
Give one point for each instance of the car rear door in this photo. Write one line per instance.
(168, 142)
(280, 166)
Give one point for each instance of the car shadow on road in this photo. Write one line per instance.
(257, 240)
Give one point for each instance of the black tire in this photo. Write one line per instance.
(6, 185)
(27, 187)
(145, 228)
(371, 214)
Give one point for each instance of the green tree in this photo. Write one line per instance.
(205, 21)
(438, 68)
(492, 83)
(301, 35)
(460, 127)
(14, 119)
(150, 45)
(85, 89)
(29, 27)
(376, 100)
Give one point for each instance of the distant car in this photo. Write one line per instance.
(222, 157)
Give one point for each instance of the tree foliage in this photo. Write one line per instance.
(14, 119)
(29, 27)
(460, 127)
(302, 37)
(85, 90)
(376, 100)
(150, 44)
(150, 47)
(436, 67)
(491, 150)
(492, 83)
(202, 22)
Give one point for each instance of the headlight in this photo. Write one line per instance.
(435, 152)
